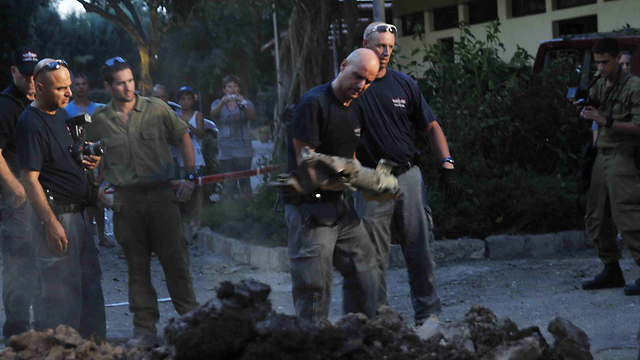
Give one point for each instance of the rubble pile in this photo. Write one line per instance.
(63, 343)
(241, 325)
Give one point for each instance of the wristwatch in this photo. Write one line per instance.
(448, 159)
(190, 176)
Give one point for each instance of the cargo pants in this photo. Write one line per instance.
(412, 219)
(614, 203)
(147, 219)
(321, 236)
(69, 290)
(19, 272)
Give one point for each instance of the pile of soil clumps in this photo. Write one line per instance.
(242, 325)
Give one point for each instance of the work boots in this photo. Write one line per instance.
(633, 288)
(610, 277)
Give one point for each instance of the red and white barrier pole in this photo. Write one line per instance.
(210, 179)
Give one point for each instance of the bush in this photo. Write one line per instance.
(514, 136)
(252, 220)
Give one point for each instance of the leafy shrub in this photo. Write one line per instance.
(252, 220)
(515, 138)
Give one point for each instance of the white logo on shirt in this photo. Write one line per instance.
(399, 102)
(357, 131)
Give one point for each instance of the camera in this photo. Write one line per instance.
(582, 97)
(80, 148)
(232, 97)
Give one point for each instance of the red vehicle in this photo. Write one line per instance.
(578, 47)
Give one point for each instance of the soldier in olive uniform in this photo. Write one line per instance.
(136, 132)
(614, 195)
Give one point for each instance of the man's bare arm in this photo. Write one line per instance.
(298, 146)
(439, 143)
(10, 181)
(54, 232)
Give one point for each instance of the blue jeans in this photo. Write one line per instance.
(412, 219)
(321, 236)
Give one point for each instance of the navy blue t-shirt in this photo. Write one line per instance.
(322, 120)
(391, 104)
(43, 143)
(12, 104)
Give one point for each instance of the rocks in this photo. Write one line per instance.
(571, 342)
(240, 325)
(62, 343)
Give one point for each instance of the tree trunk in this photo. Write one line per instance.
(145, 82)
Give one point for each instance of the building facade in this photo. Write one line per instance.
(523, 22)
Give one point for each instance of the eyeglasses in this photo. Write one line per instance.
(54, 65)
(114, 60)
(382, 28)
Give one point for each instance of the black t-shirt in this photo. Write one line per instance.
(321, 120)
(391, 104)
(12, 104)
(43, 143)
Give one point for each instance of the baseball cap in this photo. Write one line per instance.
(186, 89)
(25, 59)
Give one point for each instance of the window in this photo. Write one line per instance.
(527, 7)
(445, 18)
(565, 4)
(575, 26)
(481, 11)
(446, 46)
(411, 23)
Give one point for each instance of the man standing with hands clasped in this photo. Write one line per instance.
(392, 105)
(136, 132)
(67, 259)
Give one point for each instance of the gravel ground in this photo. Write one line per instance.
(529, 291)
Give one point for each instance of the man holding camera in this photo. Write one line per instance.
(613, 201)
(71, 293)
(19, 272)
(392, 105)
(136, 132)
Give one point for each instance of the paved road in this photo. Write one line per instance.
(529, 291)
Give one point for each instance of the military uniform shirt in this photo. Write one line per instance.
(623, 105)
(137, 152)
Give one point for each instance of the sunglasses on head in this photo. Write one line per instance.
(53, 65)
(382, 28)
(114, 60)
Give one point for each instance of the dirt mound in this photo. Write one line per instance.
(244, 327)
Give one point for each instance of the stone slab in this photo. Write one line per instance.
(543, 244)
(447, 250)
(504, 246)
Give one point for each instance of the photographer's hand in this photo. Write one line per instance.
(592, 113)
(90, 161)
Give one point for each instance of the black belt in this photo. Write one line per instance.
(313, 198)
(67, 208)
(402, 168)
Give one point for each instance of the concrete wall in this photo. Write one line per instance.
(526, 31)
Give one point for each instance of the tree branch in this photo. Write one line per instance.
(134, 14)
(127, 25)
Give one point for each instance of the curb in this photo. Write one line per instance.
(493, 247)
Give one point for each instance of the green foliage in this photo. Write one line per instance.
(515, 138)
(16, 22)
(222, 38)
(254, 220)
(84, 40)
